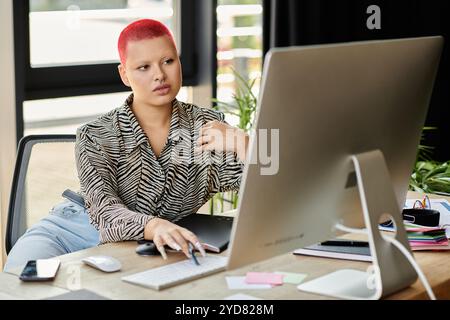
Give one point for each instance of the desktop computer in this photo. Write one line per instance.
(350, 118)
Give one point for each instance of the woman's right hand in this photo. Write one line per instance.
(164, 232)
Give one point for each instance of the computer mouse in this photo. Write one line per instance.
(103, 263)
(147, 249)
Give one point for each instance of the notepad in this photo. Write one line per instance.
(238, 283)
(264, 278)
(293, 278)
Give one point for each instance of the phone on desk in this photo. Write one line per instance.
(40, 270)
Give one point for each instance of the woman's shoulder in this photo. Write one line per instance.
(197, 113)
(103, 127)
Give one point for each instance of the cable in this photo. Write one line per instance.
(402, 249)
(413, 262)
(349, 230)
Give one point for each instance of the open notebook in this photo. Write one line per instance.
(212, 231)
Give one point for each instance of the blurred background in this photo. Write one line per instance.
(68, 33)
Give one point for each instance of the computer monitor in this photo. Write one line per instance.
(350, 118)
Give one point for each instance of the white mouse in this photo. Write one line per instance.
(103, 263)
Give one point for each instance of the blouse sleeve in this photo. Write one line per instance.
(106, 210)
(230, 168)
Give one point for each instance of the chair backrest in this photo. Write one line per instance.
(45, 167)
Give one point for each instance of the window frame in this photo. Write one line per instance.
(74, 80)
(78, 80)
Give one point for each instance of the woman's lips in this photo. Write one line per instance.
(162, 90)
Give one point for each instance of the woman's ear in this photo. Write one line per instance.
(123, 75)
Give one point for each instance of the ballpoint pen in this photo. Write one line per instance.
(345, 243)
(192, 253)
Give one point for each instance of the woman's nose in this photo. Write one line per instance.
(159, 74)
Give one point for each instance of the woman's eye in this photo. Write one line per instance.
(168, 61)
(143, 68)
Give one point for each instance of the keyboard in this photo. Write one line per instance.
(176, 273)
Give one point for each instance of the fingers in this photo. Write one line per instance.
(170, 241)
(176, 234)
(159, 242)
(192, 238)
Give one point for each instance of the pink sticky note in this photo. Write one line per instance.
(264, 278)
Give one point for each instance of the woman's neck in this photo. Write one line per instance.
(150, 116)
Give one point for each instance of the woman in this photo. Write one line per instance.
(149, 162)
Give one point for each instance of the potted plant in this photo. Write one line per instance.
(242, 106)
(430, 176)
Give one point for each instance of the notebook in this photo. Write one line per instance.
(212, 231)
(336, 252)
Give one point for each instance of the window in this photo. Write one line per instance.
(239, 46)
(65, 115)
(66, 49)
(86, 32)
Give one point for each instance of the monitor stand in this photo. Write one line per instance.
(391, 271)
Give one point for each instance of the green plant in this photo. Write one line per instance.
(242, 106)
(429, 176)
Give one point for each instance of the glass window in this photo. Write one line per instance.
(65, 115)
(76, 32)
(239, 45)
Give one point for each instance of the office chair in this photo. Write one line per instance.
(45, 167)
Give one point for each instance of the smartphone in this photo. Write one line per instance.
(40, 270)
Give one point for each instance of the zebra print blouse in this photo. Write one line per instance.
(125, 185)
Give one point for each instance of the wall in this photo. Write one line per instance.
(8, 114)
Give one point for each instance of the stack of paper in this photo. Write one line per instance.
(426, 238)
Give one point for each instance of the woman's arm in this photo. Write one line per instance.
(231, 143)
(107, 212)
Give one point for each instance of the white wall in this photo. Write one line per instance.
(7, 112)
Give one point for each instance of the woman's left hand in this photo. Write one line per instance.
(220, 136)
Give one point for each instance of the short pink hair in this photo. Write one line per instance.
(141, 30)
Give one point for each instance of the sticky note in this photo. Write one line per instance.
(241, 296)
(264, 278)
(290, 277)
(238, 283)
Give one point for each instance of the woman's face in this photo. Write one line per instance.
(152, 70)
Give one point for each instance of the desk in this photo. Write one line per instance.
(74, 275)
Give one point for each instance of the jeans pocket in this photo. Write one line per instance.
(67, 209)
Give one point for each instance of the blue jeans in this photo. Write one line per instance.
(66, 229)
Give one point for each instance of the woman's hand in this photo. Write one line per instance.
(219, 136)
(164, 232)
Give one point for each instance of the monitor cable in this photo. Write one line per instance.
(402, 249)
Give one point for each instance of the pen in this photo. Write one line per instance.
(345, 243)
(192, 253)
